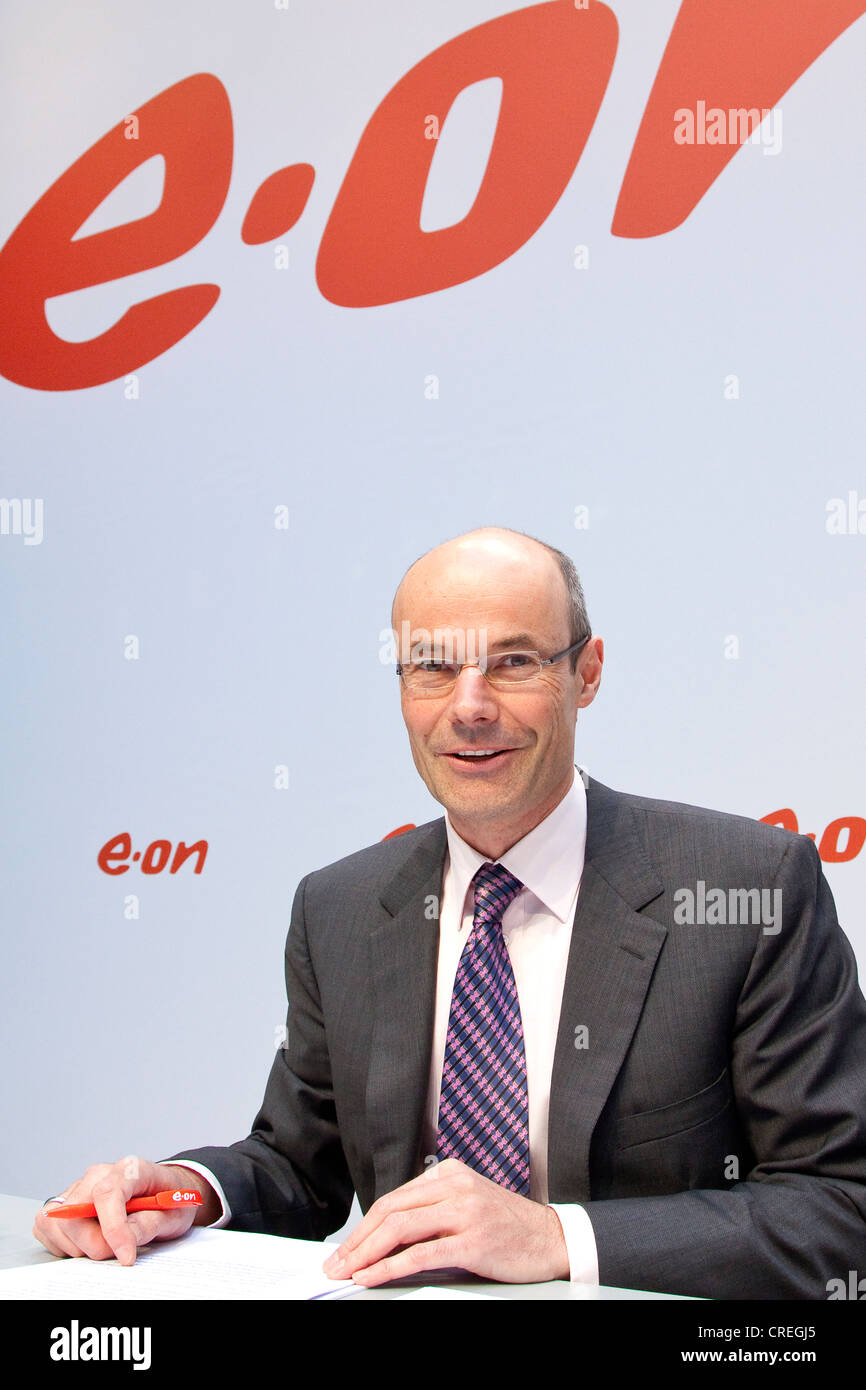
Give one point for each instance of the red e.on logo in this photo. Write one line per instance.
(155, 858)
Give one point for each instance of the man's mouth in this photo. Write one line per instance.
(479, 755)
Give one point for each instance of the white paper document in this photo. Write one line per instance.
(203, 1264)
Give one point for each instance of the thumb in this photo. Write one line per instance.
(159, 1225)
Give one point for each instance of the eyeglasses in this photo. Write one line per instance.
(504, 670)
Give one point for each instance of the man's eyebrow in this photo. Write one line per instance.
(522, 640)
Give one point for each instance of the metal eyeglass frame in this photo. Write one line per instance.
(542, 661)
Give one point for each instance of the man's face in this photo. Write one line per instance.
(500, 595)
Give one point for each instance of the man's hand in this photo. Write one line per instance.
(452, 1217)
(112, 1232)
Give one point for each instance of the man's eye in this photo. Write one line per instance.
(431, 666)
(514, 659)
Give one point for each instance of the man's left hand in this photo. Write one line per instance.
(451, 1217)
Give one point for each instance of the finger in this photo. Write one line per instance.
(55, 1234)
(55, 1242)
(433, 1254)
(148, 1226)
(79, 1236)
(423, 1191)
(399, 1230)
(110, 1196)
(141, 1228)
(82, 1236)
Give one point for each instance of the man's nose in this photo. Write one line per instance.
(473, 697)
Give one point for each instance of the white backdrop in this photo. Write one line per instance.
(208, 531)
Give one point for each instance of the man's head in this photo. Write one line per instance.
(497, 589)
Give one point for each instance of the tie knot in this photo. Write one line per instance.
(495, 888)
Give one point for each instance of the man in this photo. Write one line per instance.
(519, 990)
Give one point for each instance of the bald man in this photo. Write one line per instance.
(502, 1033)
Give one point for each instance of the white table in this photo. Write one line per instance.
(19, 1247)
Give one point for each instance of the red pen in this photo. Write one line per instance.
(160, 1201)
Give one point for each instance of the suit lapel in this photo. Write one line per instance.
(404, 950)
(610, 964)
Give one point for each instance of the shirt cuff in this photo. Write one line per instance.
(579, 1242)
(214, 1182)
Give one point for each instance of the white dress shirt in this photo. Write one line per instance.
(536, 927)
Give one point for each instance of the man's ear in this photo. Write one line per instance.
(589, 667)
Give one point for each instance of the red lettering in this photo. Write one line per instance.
(190, 124)
(742, 54)
(277, 204)
(554, 61)
(785, 818)
(155, 857)
(183, 852)
(401, 830)
(118, 848)
(829, 847)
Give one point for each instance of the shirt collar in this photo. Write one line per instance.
(548, 860)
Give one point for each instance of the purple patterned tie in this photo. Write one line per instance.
(484, 1104)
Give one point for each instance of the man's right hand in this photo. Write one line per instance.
(113, 1232)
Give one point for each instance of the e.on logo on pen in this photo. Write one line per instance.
(554, 61)
(115, 853)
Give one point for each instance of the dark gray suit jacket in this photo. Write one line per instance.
(714, 1124)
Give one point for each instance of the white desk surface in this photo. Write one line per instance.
(19, 1247)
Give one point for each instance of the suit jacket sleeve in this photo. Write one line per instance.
(289, 1177)
(797, 1218)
